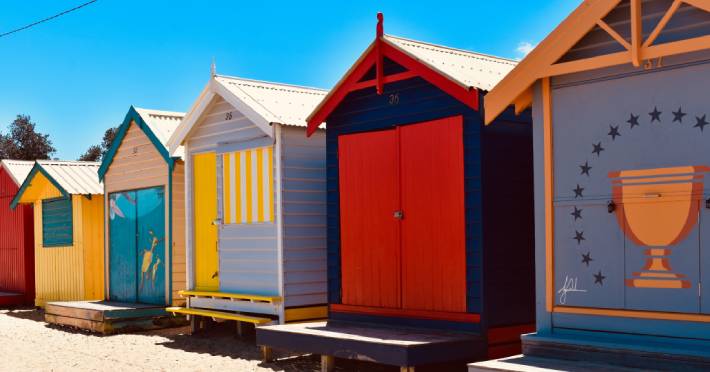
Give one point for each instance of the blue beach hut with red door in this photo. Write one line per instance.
(430, 220)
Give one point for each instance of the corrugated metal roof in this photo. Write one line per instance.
(468, 68)
(163, 124)
(76, 177)
(277, 103)
(17, 169)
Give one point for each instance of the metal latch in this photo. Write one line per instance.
(399, 215)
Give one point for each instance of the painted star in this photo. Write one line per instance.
(597, 149)
(587, 258)
(585, 168)
(599, 278)
(578, 192)
(577, 213)
(678, 115)
(633, 120)
(579, 236)
(702, 122)
(614, 132)
(655, 115)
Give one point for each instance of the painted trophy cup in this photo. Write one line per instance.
(658, 208)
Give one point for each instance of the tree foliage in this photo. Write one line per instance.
(23, 142)
(97, 152)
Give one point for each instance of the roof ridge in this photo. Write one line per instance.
(490, 57)
(160, 112)
(303, 87)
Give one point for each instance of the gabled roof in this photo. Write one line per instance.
(541, 61)
(17, 169)
(264, 103)
(460, 73)
(69, 177)
(468, 68)
(157, 125)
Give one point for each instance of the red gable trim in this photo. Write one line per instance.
(382, 48)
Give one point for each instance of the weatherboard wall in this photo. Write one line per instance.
(137, 164)
(74, 272)
(303, 176)
(16, 242)
(620, 119)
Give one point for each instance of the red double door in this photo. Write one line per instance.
(402, 218)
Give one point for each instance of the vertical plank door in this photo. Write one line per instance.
(151, 246)
(123, 262)
(433, 226)
(204, 200)
(369, 196)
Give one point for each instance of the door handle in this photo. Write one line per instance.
(399, 215)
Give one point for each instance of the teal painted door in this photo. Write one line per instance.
(151, 246)
(137, 246)
(123, 271)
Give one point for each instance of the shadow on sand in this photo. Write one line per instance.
(220, 339)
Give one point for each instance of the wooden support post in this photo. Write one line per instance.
(193, 324)
(636, 32)
(267, 354)
(327, 363)
(406, 369)
(240, 329)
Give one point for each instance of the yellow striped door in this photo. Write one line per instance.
(204, 200)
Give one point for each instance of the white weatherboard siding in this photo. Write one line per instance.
(214, 128)
(304, 217)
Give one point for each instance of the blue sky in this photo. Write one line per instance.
(79, 74)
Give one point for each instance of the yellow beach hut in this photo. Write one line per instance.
(69, 231)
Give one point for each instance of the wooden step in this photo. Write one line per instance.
(231, 296)
(219, 315)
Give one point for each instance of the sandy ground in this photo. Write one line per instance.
(27, 343)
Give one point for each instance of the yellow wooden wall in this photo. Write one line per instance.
(137, 165)
(74, 272)
(179, 260)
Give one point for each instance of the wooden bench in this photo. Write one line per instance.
(231, 296)
(219, 315)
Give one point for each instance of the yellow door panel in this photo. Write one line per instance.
(205, 209)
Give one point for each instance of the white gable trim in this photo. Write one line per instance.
(261, 122)
(215, 88)
(188, 122)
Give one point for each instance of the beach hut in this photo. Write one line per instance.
(17, 282)
(255, 203)
(429, 212)
(68, 226)
(619, 96)
(144, 211)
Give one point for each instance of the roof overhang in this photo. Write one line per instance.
(374, 56)
(37, 171)
(215, 88)
(133, 117)
(542, 62)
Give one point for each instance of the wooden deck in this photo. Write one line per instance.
(12, 299)
(617, 350)
(521, 363)
(110, 317)
(375, 343)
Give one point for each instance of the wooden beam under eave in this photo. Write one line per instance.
(662, 23)
(551, 49)
(523, 101)
(636, 32)
(700, 4)
(615, 35)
